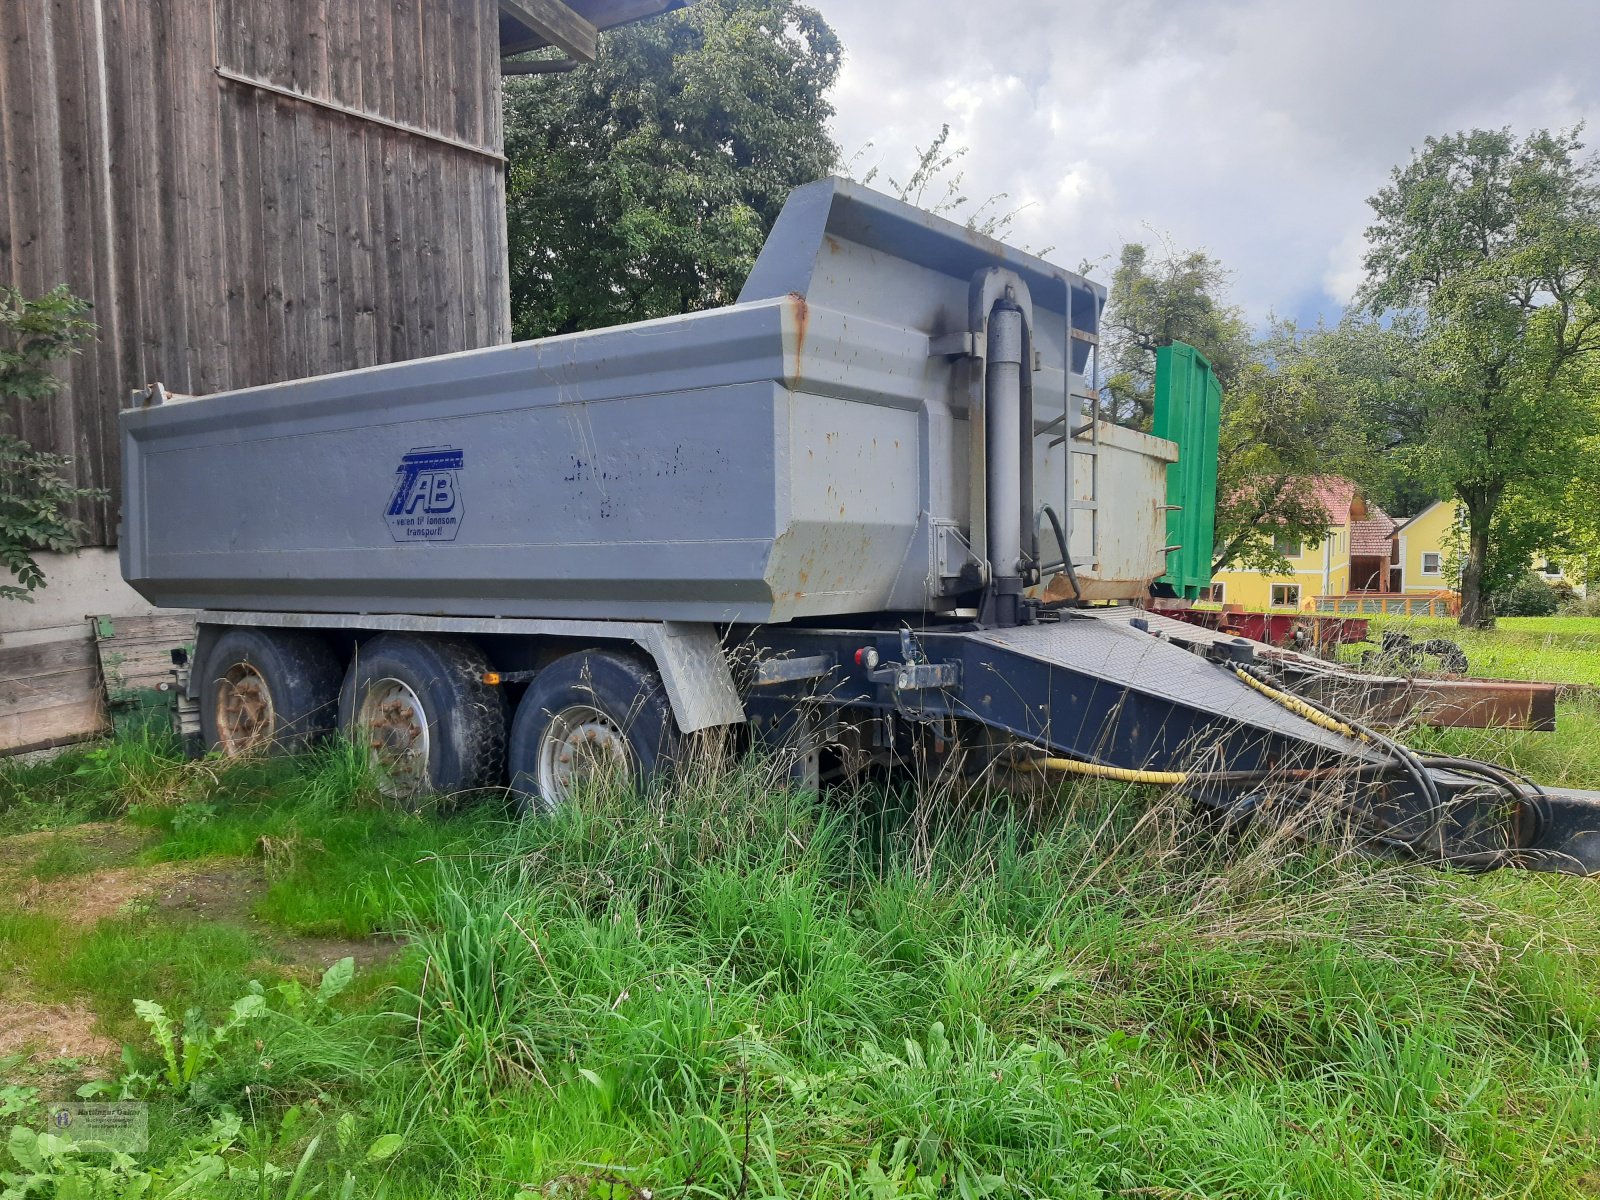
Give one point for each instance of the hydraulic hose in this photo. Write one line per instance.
(1321, 717)
(1303, 708)
(1402, 758)
(1520, 790)
(1073, 766)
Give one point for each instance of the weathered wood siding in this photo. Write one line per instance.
(229, 234)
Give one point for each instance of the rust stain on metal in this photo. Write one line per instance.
(802, 320)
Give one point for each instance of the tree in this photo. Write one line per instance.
(1157, 300)
(1286, 422)
(35, 501)
(1280, 422)
(643, 184)
(1490, 247)
(938, 167)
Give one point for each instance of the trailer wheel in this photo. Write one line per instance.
(430, 723)
(585, 718)
(266, 689)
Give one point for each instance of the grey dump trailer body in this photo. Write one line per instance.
(875, 485)
(805, 452)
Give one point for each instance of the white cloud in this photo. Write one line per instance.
(1252, 128)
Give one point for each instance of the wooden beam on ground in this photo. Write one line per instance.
(1443, 703)
(556, 24)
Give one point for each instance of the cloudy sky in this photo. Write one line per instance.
(1254, 129)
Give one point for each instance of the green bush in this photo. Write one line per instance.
(1582, 606)
(1529, 596)
(35, 500)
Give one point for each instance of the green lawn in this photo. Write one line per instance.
(736, 991)
(1552, 649)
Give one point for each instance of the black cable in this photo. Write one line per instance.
(1405, 755)
(1066, 554)
(1507, 781)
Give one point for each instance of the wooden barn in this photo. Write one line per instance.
(246, 191)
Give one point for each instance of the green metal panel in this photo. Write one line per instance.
(1188, 411)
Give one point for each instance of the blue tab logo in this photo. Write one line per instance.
(426, 503)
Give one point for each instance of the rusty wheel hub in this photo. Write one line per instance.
(394, 727)
(246, 720)
(581, 746)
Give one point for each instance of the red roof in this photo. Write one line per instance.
(1371, 538)
(1335, 495)
(1370, 527)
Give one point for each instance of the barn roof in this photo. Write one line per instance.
(573, 26)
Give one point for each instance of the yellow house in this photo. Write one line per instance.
(1425, 543)
(1357, 557)
(1429, 548)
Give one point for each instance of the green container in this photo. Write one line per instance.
(1188, 411)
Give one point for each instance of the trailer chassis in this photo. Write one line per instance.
(1094, 693)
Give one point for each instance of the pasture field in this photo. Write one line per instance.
(735, 990)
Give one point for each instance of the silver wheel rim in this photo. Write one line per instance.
(394, 726)
(580, 747)
(244, 711)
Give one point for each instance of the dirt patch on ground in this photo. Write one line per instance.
(313, 955)
(216, 889)
(51, 1031)
(96, 845)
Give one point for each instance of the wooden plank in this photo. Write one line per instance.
(73, 173)
(110, 384)
(424, 264)
(147, 625)
(71, 653)
(164, 309)
(295, 248)
(49, 693)
(137, 654)
(129, 89)
(59, 725)
(40, 247)
(407, 46)
(360, 287)
(556, 24)
(320, 299)
(48, 689)
(196, 95)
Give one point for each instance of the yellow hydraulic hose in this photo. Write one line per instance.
(1301, 709)
(1071, 766)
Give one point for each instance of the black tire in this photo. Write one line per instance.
(627, 701)
(264, 690)
(441, 684)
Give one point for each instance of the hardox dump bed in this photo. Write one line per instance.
(805, 452)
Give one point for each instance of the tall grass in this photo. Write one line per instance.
(729, 988)
(734, 990)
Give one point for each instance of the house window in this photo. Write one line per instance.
(1287, 547)
(1286, 595)
(1431, 564)
(1552, 569)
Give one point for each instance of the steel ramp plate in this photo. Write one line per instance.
(1106, 647)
